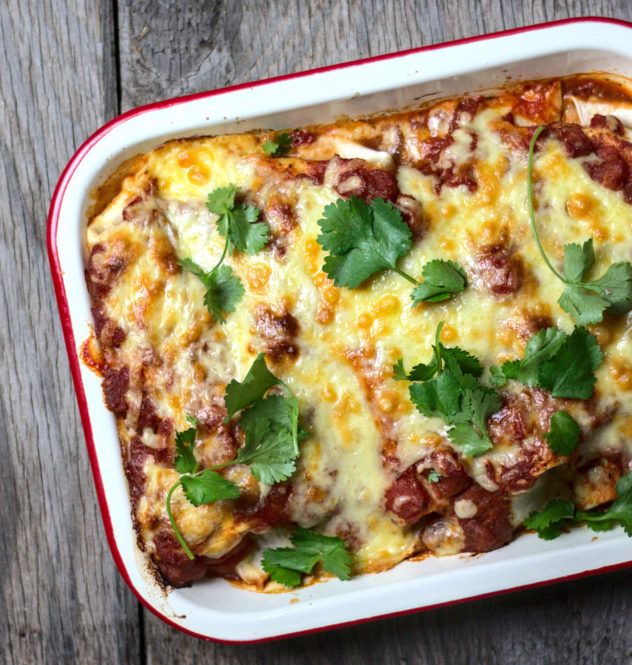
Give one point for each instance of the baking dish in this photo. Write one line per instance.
(214, 609)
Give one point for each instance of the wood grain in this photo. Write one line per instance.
(61, 599)
(66, 68)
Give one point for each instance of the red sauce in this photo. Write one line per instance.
(602, 89)
(272, 511)
(302, 137)
(407, 498)
(490, 528)
(115, 385)
(369, 183)
(277, 331)
(500, 270)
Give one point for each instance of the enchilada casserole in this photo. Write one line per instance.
(433, 307)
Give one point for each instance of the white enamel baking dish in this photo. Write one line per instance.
(214, 609)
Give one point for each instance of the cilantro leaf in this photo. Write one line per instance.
(285, 565)
(434, 476)
(294, 558)
(570, 372)
(269, 423)
(223, 288)
(362, 239)
(471, 440)
(620, 511)
(477, 405)
(453, 366)
(399, 373)
(558, 514)
(330, 549)
(584, 306)
(438, 398)
(615, 286)
(207, 487)
(309, 548)
(456, 396)
(235, 223)
(185, 461)
(560, 363)
(189, 265)
(277, 411)
(223, 291)
(238, 226)
(611, 293)
(281, 145)
(419, 372)
(497, 378)
(510, 369)
(271, 446)
(441, 280)
(584, 301)
(256, 383)
(549, 522)
(564, 435)
(541, 346)
(281, 574)
(467, 363)
(587, 301)
(221, 200)
(578, 260)
(270, 147)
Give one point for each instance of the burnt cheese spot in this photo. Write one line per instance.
(278, 332)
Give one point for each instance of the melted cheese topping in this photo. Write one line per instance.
(345, 336)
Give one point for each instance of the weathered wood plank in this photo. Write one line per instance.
(61, 599)
(186, 46)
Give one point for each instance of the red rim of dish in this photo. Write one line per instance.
(71, 347)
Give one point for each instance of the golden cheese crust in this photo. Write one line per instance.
(456, 170)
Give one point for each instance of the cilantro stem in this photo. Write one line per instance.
(223, 464)
(536, 134)
(223, 256)
(285, 387)
(181, 540)
(438, 337)
(412, 280)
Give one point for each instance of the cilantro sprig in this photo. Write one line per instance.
(285, 564)
(237, 223)
(559, 514)
(201, 486)
(364, 239)
(270, 423)
(555, 361)
(424, 371)
(279, 147)
(585, 301)
(448, 387)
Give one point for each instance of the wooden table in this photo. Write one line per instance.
(66, 68)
